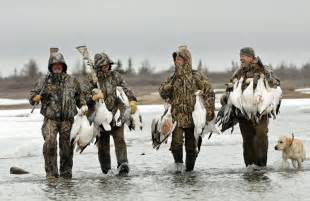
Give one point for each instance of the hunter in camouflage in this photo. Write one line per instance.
(60, 95)
(179, 90)
(255, 135)
(108, 81)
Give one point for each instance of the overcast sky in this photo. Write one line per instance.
(213, 30)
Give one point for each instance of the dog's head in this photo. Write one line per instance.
(283, 143)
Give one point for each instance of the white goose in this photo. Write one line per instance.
(258, 93)
(122, 96)
(134, 120)
(277, 95)
(199, 115)
(235, 95)
(83, 133)
(76, 126)
(247, 99)
(102, 115)
(267, 96)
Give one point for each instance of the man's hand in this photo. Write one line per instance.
(37, 99)
(133, 106)
(83, 110)
(97, 96)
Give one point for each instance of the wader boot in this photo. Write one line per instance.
(190, 161)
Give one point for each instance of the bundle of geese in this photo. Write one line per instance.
(250, 103)
(163, 126)
(86, 130)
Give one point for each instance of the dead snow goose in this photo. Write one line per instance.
(85, 134)
(267, 99)
(247, 98)
(76, 126)
(133, 121)
(277, 94)
(102, 115)
(199, 115)
(235, 95)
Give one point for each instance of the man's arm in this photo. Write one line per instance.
(79, 95)
(166, 88)
(86, 87)
(36, 90)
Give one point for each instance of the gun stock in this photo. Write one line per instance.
(85, 56)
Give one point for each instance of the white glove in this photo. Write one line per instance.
(83, 110)
(211, 127)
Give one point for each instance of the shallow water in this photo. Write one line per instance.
(219, 173)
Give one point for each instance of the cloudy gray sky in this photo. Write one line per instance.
(214, 30)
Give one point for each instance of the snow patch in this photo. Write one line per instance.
(7, 101)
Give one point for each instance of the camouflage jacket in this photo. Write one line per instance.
(61, 94)
(108, 84)
(253, 70)
(183, 102)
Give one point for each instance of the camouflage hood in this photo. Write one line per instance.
(186, 69)
(57, 57)
(101, 59)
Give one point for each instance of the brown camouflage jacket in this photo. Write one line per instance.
(61, 94)
(181, 95)
(108, 83)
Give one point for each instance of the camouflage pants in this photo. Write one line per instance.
(50, 129)
(255, 141)
(104, 148)
(177, 144)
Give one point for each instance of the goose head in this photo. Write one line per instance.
(240, 82)
(267, 85)
(198, 93)
(249, 80)
(262, 76)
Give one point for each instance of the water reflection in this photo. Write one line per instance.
(257, 181)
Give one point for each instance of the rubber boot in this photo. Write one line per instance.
(190, 161)
(178, 159)
(178, 156)
(123, 169)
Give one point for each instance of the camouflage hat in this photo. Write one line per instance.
(247, 51)
(101, 59)
(57, 58)
(183, 52)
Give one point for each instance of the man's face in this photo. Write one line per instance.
(179, 61)
(246, 59)
(57, 68)
(105, 68)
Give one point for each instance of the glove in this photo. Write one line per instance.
(98, 96)
(133, 106)
(83, 110)
(37, 98)
(210, 116)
